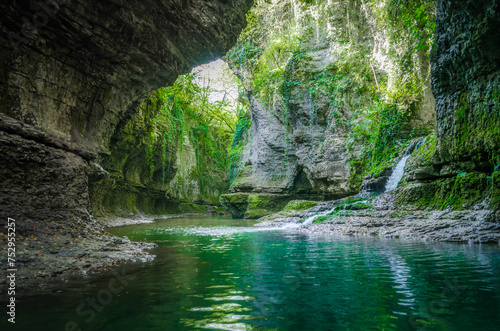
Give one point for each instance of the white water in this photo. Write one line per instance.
(397, 174)
(307, 221)
(312, 218)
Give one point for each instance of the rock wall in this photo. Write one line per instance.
(77, 69)
(42, 178)
(302, 126)
(151, 168)
(459, 167)
(465, 81)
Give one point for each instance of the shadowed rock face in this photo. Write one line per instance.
(460, 166)
(76, 69)
(465, 81)
(87, 62)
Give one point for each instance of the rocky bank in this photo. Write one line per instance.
(378, 217)
(73, 76)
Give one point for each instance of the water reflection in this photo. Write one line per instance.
(223, 276)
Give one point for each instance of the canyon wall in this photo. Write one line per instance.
(73, 73)
(320, 81)
(340, 90)
(459, 167)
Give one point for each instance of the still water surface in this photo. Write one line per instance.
(222, 274)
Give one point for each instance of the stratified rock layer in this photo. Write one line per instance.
(466, 81)
(77, 69)
(459, 167)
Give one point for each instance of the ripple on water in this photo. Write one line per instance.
(231, 277)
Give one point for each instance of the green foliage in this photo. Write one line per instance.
(417, 16)
(184, 110)
(165, 125)
(243, 54)
(238, 144)
(299, 205)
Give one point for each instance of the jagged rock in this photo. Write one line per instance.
(41, 182)
(460, 161)
(377, 184)
(271, 166)
(466, 80)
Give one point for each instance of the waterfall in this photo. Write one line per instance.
(397, 174)
(312, 218)
(307, 221)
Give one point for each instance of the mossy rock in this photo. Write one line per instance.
(359, 206)
(256, 213)
(235, 203)
(322, 219)
(426, 154)
(299, 205)
(460, 192)
(260, 205)
(193, 208)
(253, 205)
(219, 210)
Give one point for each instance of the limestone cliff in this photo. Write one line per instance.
(353, 83)
(336, 88)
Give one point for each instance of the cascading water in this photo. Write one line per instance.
(312, 218)
(308, 221)
(397, 174)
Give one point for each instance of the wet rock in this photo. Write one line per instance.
(59, 249)
(96, 172)
(253, 206)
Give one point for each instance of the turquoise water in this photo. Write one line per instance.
(221, 274)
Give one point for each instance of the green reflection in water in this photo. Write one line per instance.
(220, 274)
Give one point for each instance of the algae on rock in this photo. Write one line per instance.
(335, 90)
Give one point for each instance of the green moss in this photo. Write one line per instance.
(260, 205)
(193, 208)
(495, 189)
(424, 155)
(252, 206)
(460, 192)
(359, 206)
(476, 131)
(235, 198)
(322, 219)
(299, 205)
(351, 200)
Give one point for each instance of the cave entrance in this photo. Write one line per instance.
(174, 153)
